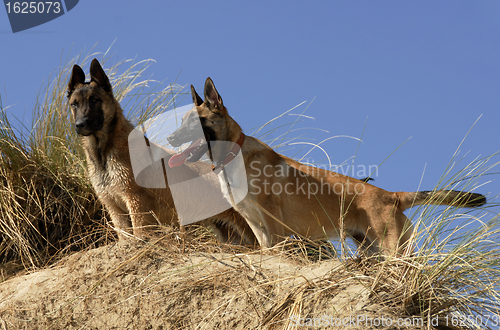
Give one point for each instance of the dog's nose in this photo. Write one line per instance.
(171, 139)
(82, 127)
(80, 124)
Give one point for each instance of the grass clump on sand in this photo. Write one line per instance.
(47, 205)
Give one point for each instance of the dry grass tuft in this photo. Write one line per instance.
(47, 205)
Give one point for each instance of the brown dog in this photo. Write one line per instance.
(286, 197)
(104, 132)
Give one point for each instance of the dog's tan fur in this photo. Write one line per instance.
(372, 216)
(104, 132)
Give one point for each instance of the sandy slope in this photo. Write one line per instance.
(136, 286)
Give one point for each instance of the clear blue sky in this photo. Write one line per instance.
(425, 70)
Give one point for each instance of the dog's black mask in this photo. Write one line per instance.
(189, 131)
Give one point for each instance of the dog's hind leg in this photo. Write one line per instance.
(393, 234)
(365, 245)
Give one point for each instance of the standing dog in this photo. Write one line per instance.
(286, 197)
(104, 132)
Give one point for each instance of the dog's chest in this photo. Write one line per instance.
(233, 181)
(112, 178)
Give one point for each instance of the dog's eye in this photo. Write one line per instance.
(74, 104)
(93, 100)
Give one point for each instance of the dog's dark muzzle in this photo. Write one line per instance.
(183, 135)
(194, 152)
(88, 126)
(174, 140)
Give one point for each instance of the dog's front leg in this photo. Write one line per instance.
(120, 219)
(260, 233)
(265, 227)
(141, 217)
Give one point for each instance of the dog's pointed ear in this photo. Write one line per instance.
(196, 98)
(77, 77)
(212, 97)
(97, 75)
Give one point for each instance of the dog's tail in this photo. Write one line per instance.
(440, 197)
